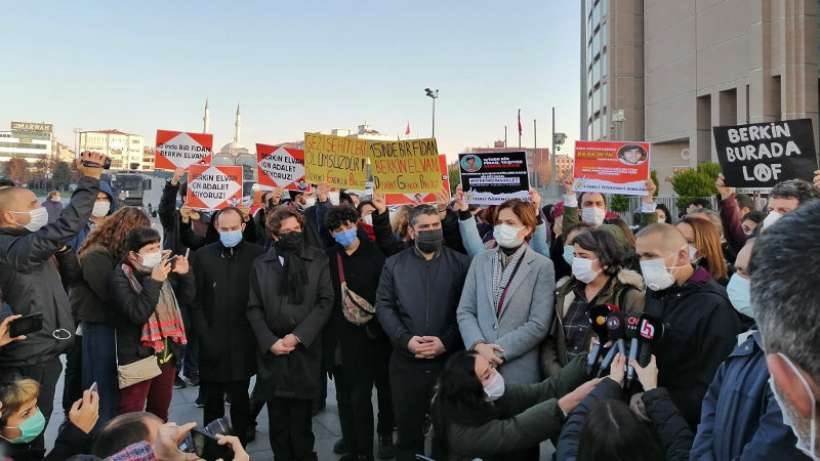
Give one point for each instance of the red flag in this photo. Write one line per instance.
(520, 127)
(407, 130)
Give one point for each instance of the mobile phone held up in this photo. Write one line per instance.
(106, 164)
(26, 325)
(205, 445)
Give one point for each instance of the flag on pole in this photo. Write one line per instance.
(407, 130)
(520, 127)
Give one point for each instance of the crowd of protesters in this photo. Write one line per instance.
(483, 331)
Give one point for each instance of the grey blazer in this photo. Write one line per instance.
(525, 317)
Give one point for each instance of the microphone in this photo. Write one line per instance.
(631, 332)
(650, 332)
(597, 322)
(615, 329)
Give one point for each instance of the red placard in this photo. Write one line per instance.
(611, 167)
(214, 187)
(409, 199)
(180, 149)
(280, 166)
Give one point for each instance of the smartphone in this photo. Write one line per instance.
(173, 261)
(106, 164)
(205, 445)
(26, 324)
(93, 387)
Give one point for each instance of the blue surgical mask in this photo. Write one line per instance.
(569, 253)
(30, 428)
(739, 291)
(230, 239)
(345, 238)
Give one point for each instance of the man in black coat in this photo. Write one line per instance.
(226, 354)
(291, 298)
(416, 303)
(31, 283)
(700, 325)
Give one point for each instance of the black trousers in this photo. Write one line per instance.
(291, 429)
(73, 385)
(384, 395)
(412, 383)
(363, 360)
(214, 395)
(46, 373)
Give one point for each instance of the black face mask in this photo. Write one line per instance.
(292, 241)
(429, 241)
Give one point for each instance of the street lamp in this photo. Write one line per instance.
(433, 94)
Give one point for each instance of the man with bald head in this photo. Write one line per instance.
(700, 324)
(30, 282)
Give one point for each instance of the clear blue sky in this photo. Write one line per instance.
(294, 66)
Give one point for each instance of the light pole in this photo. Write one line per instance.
(433, 94)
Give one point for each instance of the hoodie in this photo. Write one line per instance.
(105, 187)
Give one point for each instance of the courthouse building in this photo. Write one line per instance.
(667, 71)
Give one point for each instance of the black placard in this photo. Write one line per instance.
(493, 178)
(760, 155)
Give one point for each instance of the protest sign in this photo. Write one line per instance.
(405, 167)
(611, 167)
(178, 149)
(408, 199)
(760, 155)
(337, 161)
(214, 187)
(280, 166)
(493, 178)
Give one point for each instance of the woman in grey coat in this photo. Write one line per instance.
(507, 301)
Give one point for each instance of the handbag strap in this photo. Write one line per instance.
(116, 347)
(341, 268)
(500, 309)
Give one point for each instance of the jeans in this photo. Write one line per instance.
(99, 365)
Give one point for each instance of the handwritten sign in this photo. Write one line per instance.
(338, 161)
(410, 198)
(405, 167)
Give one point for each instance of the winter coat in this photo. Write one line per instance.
(362, 271)
(674, 434)
(316, 234)
(272, 316)
(625, 291)
(30, 281)
(700, 328)
(531, 416)
(417, 297)
(226, 343)
(132, 310)
(91, 297)
(740, 419)
(525, 316)
(105, 187)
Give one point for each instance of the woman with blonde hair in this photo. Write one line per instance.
(704, 246)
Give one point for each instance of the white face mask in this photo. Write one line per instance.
(593, 216)
(739, 291)
(791, 419)
(100, 209)
(507, 236)
(39, 218)
(495, 388)
(582, 269)
(772, 218)
(151, 260)
(333, 196)
(693, 253)
(656, 275)
(368, 219)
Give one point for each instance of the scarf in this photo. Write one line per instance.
(293, 283)
(503, 268)
(140, 451)
(166, 323)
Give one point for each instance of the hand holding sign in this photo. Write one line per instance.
(461, 203)
(724, 191)
(178, 174)
(535, 199)
(649, 198)
(569, 183)
(817, 180)
(379, 203)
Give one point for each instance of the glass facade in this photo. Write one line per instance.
(597, 70)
